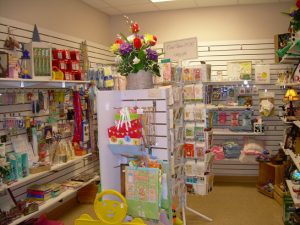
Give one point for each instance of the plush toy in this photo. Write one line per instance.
(266, 107)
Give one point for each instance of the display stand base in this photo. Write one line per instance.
(195, 212)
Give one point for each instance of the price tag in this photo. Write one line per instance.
(140, 111)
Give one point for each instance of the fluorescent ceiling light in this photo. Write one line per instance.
(161, 0)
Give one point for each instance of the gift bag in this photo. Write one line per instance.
(143, 192)
(127, 129)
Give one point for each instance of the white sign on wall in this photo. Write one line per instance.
(181, 49)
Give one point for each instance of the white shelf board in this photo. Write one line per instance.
(297, 123)
(286, 151)
(288, 84)
(229, 107)
(227, 132)
(284, 120)
(296, 159)
(232, 161)
(225, 82)
(296, 200)
(31, 83)
(53, 201)
(53, 168)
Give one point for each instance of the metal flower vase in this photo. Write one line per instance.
(140, 80)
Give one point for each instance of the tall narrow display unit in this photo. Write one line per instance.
(107, 104)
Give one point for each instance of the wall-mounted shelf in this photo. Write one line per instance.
(233, 161)
(227, 132)
(285, 121)
(53, 202)
(286, 151)
(226, 107)
(288, 84)
(31, 83)
(297, 123)
(294, 195)
(229, 82)
(53, 168)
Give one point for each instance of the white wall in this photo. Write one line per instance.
(70, 17)
(212, 23)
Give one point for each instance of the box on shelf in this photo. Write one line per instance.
(41, 60)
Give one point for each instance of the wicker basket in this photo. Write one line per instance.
(139, 80)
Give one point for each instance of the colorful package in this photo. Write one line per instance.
(143, 192)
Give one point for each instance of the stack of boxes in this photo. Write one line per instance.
(43, 192)
(68, 62)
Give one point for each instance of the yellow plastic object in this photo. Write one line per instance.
(109, 212)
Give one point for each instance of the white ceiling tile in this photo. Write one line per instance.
(111, 11)
(137, 8)
(176, 5)
(98, 4)
(256, 1)
(207, 3)
(116, 3)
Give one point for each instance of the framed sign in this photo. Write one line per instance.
(181, 49)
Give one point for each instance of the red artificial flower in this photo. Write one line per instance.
(298, 4)
(119, 41)
(153, 42)
(135, 28)
(137, 43)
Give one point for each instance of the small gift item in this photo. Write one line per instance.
(189, 150)
(218, 151)
(235, 119)
(188, 92)
(199, 112)
(189, 131)
(200, 150)
(198, 92)
(196, 74)
(199, 132)
(127, 130)
(222, 118)
(189, 113)
(187, 74)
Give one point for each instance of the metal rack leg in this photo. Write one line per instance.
(198, 214)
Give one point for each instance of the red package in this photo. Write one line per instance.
(188, 150)
(75, 55)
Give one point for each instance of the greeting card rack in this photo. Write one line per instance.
(166, 148)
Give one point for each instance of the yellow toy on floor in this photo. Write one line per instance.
(109, 212)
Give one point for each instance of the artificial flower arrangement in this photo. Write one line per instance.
(134, 53)
(295, 17)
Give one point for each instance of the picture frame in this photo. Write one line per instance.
(4, 64)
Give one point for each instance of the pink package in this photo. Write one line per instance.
(218, 151)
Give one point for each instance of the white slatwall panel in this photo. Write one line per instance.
(218, 54)
(98, 54)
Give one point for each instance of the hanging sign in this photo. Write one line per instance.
(181, 49)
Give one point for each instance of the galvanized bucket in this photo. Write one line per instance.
(140, 80)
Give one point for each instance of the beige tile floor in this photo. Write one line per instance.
(228, 204)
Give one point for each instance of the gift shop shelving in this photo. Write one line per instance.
(43, 108)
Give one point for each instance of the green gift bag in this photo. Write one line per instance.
(143, 192)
